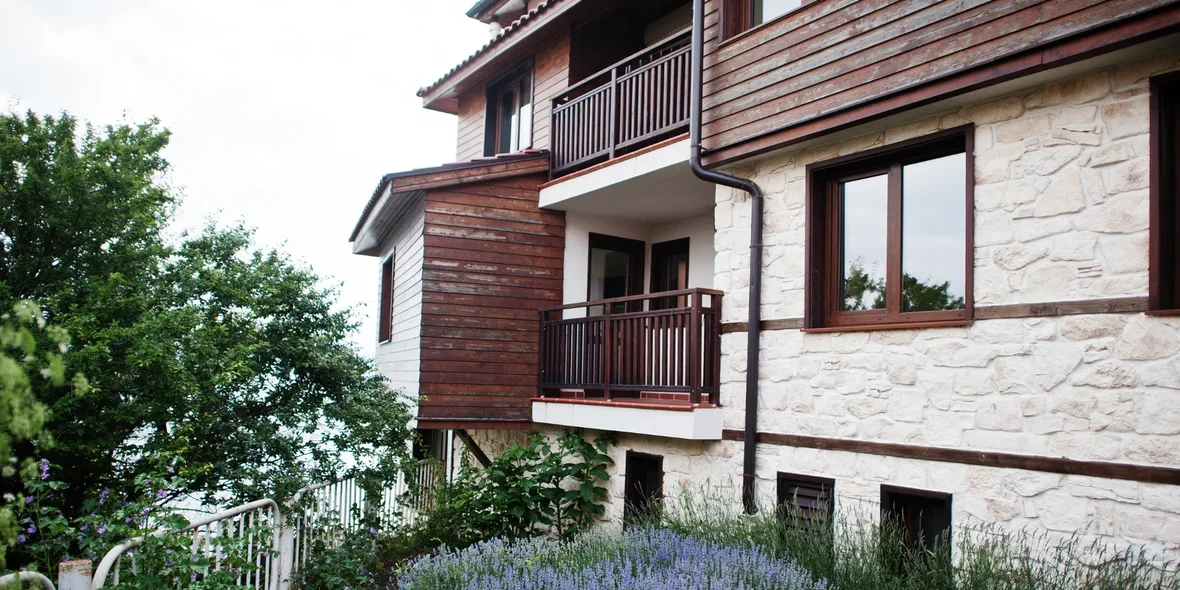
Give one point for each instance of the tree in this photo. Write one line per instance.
(862, 291)
(204, 347)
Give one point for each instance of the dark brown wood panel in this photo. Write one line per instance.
(1102, 469)
(492, 259)
(836, 63)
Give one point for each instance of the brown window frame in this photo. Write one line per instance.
(820, 311)
(515, 80)
(737, 17)
(827, 494)
(385, 314)
(1164, 196)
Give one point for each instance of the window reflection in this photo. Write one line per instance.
(864, 236)
(933, 234)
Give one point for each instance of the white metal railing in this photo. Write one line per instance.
(33, 577)
(319, 515)
(243, 523)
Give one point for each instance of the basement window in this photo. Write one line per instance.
(385, 317)
(922, 518)
(1164, 249)
(806, 500)
(891, 236)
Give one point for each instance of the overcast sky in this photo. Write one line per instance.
(284, 114)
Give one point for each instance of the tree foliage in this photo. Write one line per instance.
(202, 347)
(863, 292)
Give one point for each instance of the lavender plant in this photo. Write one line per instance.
(647, 558)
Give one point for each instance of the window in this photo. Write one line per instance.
(805, 499)
(890, 235)
(643, 483)
(510, 113)
(385, 321)
(1164, 249)
(738, 16)
(615, 270)
(669, 272)
(922, 518)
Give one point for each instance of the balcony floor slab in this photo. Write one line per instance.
(654, 419)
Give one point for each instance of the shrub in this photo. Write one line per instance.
(644, 558)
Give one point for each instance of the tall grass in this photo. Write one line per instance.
(855, 551)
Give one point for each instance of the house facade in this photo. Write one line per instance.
(966, 240)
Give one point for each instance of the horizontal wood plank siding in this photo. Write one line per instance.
(834, 56)
(398, 359)
(551, 77)
(491, 261)
(472, 112)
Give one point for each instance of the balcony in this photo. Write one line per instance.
(646, 364)
(634, 103)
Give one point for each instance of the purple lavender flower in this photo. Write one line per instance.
(20, 539)
(44, 469)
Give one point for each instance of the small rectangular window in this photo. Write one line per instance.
(385, 316)
(643, 483)
(1164, 248)
(806, 499)
(510, 124)
(891, 235)
(922, 518)
(739, 16)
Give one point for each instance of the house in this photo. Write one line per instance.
(967, 304)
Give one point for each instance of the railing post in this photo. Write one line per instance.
(541, 351)
(694, 350)
(608, 351)
(75, 575)
(287, 524)
(614, 111)
(715, 386)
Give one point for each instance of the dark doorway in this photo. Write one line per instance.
(616, 270)
(644, 484)
(669, 272)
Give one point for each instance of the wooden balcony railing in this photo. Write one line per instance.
(666, 342)
(633, 103)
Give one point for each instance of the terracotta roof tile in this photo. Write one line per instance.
(503, 34)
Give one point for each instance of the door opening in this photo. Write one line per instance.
(616, 270)
(669, 272)
(644, 482)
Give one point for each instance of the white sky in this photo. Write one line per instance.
(284, 114)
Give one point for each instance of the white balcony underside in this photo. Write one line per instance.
(695, 424)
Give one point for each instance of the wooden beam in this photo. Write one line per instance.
(991, 312)
(473, 447)
(1102, 469)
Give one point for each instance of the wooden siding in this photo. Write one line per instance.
(551, 73)
(550, 78)
(871, 58)
(472, 112)
(492, 260)
(398, 359)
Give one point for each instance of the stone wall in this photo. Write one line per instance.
(1061, 214)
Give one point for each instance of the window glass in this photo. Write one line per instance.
(933, 235)
(524, 136)
(507, 125)
(864, 237)
(768, 10)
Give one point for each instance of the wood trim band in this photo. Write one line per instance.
(989, 312)
(475, 424)
(1102, 469)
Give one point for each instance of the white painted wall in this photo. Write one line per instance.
(399, 358)
(578, 227)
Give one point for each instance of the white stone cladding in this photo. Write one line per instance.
(1061, 214)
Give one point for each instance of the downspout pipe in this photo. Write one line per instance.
(754, 330)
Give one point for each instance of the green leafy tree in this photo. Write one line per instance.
(203, 347)
(863, 292)
(26, 367)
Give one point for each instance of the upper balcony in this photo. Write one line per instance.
(634, 103)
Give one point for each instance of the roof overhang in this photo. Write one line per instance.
(395, 189)
(517, 41)
(490, 10)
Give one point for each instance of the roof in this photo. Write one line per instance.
(481, 6)
(448, 175)
(504, 33)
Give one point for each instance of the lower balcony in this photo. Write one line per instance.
(644, 364)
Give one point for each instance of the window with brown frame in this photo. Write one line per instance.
(739, 16)
(510, 113)
(806, 500)
(1164, 248)
(385, 318)
(921, 518)
(890, 235)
